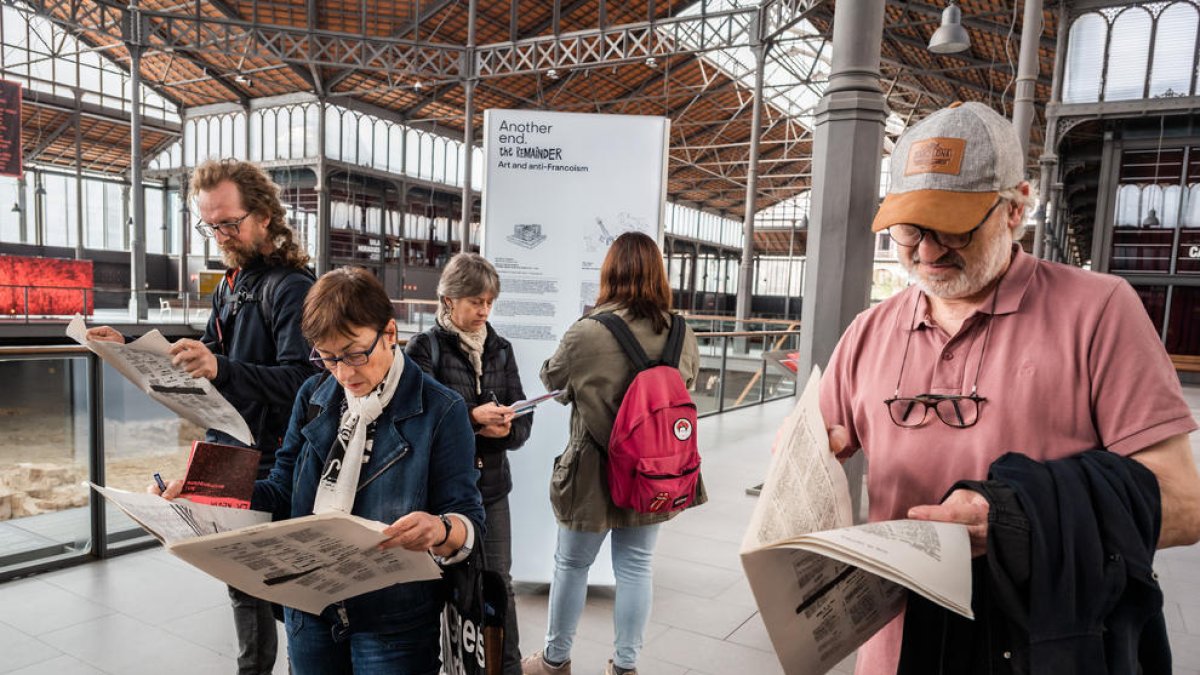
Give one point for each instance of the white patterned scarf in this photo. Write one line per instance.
(472, 343)
(351, 448)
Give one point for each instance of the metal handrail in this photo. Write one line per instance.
(49, 350)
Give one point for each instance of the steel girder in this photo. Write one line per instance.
(628, 43)
(431, 62)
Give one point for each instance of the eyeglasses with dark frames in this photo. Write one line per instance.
(954, 410)
(908, 235)
(228, 228)
(353, 359)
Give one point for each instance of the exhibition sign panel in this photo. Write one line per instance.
(558, 188)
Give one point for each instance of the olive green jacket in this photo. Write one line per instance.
(594, 373)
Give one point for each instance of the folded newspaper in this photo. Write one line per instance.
(823, 585)
(146, 362)
(307, 563)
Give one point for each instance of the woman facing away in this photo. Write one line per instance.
(407, 459)
(594, 373)
(466, 354)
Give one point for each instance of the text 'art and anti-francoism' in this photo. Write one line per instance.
(524, 146)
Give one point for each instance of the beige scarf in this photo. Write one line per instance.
(472, 343)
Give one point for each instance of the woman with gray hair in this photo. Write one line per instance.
(466, 354)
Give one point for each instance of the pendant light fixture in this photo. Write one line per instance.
(950, 37)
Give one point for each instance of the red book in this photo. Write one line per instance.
(221, 475)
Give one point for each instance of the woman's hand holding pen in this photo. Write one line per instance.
(163, 489)
(492, 414)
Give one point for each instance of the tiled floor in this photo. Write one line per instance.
(150, 613)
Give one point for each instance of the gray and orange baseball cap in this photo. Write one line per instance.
(949, 168)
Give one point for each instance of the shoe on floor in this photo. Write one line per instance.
(535, 664)
(610, 669)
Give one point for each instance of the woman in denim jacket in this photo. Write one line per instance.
(412, 442)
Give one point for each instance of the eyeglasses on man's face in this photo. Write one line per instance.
(905, 234)
(228, 228)
(353, 359)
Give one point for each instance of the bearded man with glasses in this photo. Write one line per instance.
(992, 351)
(252, 349)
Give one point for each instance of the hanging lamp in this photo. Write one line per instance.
(950, 37)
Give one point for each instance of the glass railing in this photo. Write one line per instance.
(414, 316)
(48, 304)
(742, 368)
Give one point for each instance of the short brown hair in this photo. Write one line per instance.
(342, 300)
(633, 277)
(260, 195)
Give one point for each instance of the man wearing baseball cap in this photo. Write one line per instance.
(993, 351)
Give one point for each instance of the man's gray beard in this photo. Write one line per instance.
(968, 282)
(235, 258)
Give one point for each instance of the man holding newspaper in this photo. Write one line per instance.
(252, 349)
(994, 351)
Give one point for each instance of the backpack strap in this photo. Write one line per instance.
(629, 344)
(435, 350)
(673, 350)
(264, 295)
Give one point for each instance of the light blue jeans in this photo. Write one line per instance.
(632, 555)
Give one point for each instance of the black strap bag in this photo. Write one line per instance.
(473, 618)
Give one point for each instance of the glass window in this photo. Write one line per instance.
(1128, 206)
(1127, 56)
(297, 133)
(256, 135)
(1085, 59)
(1174, 49)
(412, 152)
(312, 129)
(1191, 209)
(477, 169)
(395, 158)
(1152, 199)
(333, 133)
(439, 160)
(364, 140)
(379, 145)
(269, 136)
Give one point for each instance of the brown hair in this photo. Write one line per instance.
(633, 278)
(260, 195)
(342, 300)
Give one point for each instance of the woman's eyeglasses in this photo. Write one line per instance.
(228, 228)
(353, 359)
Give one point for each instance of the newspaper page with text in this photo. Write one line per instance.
(146, 362)
(823, 585)
(307, 563)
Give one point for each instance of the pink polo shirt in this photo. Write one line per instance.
(1073, 363)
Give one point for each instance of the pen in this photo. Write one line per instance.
(161, 485)
(494, 399)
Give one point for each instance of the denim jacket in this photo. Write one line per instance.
(423, 459)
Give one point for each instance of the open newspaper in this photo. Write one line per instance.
(146, 362)
(307, 563)
(823, 585)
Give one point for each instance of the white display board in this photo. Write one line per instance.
(557, 189)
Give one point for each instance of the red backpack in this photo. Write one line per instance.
(653, 462)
